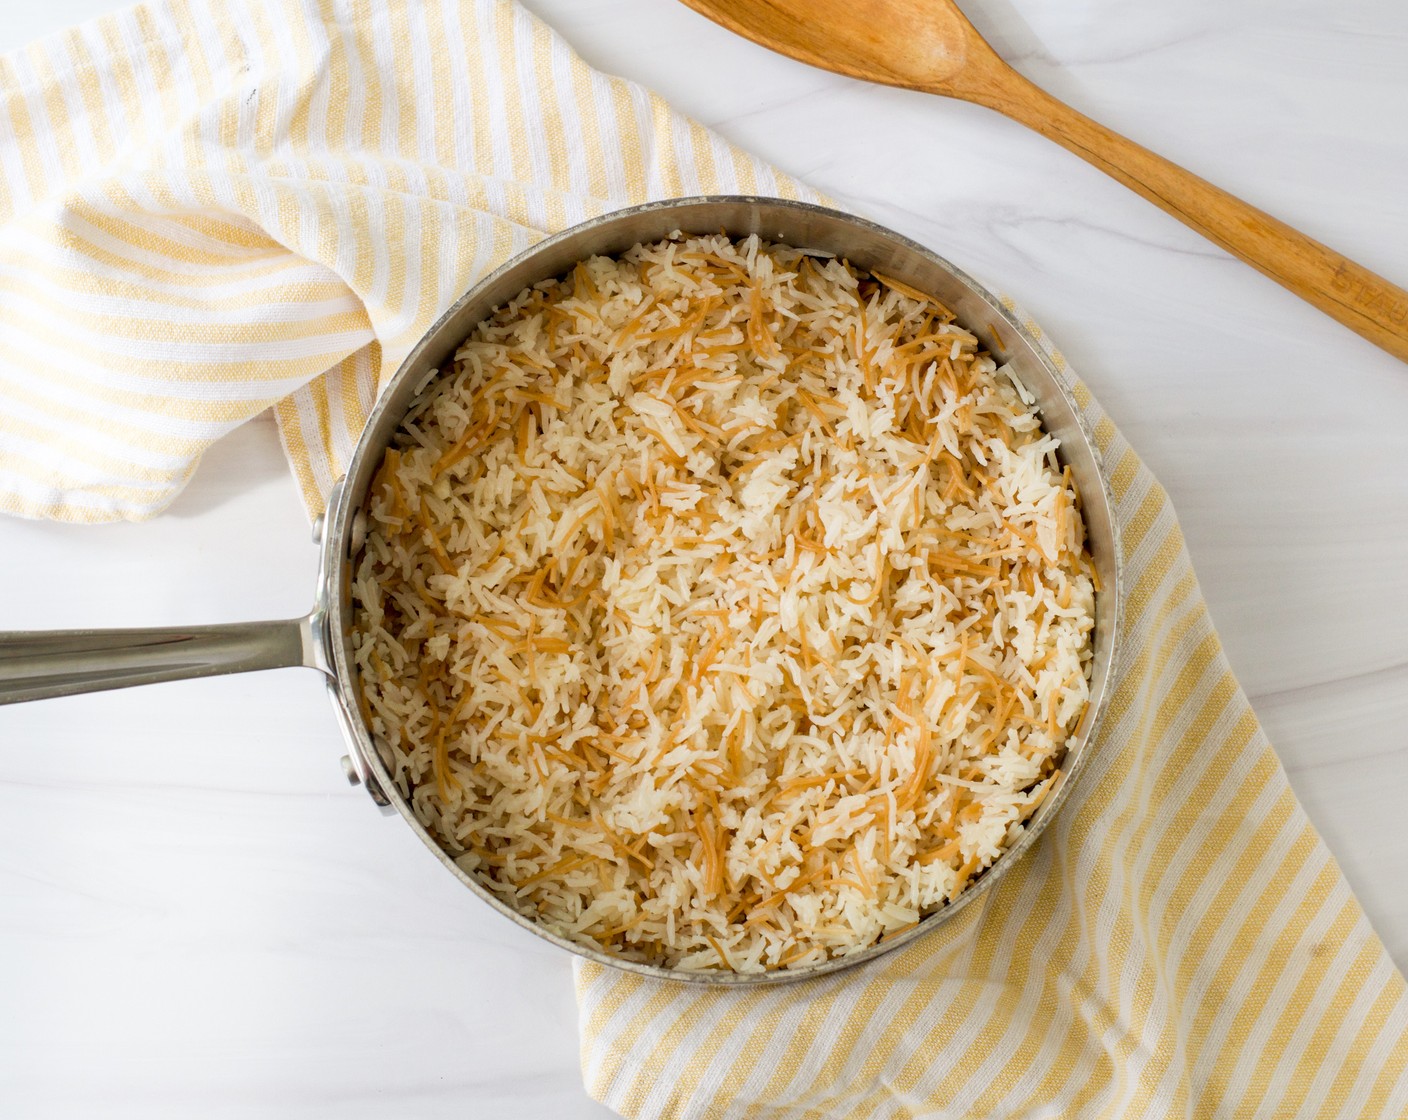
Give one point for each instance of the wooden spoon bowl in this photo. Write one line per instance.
(929, 45)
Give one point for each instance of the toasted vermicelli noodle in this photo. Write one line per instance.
(723, 606)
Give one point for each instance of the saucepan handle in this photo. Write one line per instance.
(40, 664)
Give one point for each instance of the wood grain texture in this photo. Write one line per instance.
(930, 46)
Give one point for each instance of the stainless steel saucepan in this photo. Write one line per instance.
(37, 665)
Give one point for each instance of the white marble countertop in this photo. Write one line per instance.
(199, 918)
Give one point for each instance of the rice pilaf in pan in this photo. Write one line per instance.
(723, 606)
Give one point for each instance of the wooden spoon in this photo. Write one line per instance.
(929, 45)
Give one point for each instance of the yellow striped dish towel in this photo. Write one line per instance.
(212, 207)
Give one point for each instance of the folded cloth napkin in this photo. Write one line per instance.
(214, 206)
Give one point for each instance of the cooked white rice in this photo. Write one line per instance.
(723, 606)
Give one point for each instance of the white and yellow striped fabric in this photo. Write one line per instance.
(212, 207)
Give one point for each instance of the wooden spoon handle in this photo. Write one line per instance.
(1363, 301)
